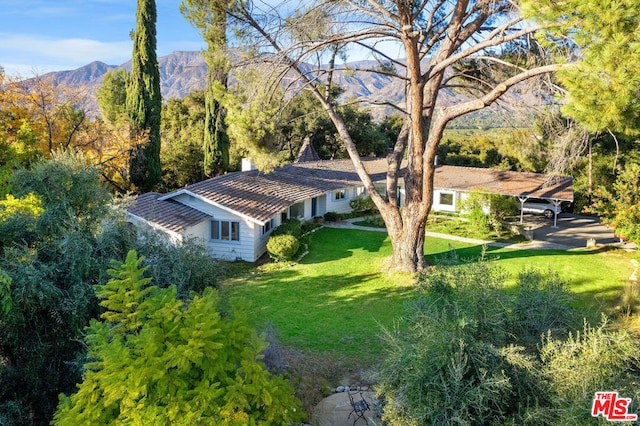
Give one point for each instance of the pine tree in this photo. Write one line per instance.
(158, 360)
(144, 101)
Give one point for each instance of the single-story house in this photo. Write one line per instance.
(235, 213)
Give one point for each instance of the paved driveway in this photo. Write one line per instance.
(572, 230)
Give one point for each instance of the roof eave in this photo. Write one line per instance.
(212, 203)
(155, 225)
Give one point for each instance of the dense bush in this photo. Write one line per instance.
(488, 211)
(479, 220)
(282, 247)
(332, 216)
(188, 266)
(289, 227)
(594, 359)
(447, 367)
(54, 251)
(51, 264)
(542, 304)
(363, 204)
(468, 352)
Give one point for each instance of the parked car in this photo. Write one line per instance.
(540, 206)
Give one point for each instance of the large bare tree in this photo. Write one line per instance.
(485, 46)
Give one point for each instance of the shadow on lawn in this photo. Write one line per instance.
(331, 312)
(474, 252)
(330, 244)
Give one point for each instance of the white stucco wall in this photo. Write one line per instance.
(243, 249)
(342, 205)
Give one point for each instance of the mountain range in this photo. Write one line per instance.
(182, 72)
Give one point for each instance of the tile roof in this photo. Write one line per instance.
(169, 214)
(260, 196)
(504, 182)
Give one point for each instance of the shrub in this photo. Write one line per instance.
(363, 204)
(289, 227)
(332, 216)
(282, 247)
(585, 363)
(543, 303)
(487, 211)
(479, 220)
(447, 367)
(458, 358)
(188, 266)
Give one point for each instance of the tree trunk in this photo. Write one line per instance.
(408, 244)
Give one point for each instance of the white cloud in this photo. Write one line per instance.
(44, 52)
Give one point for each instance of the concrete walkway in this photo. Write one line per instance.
(572, 231)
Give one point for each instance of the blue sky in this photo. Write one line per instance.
(39, 36)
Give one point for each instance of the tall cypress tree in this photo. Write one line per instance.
(216, 142)
(144, 101)
(210, 17)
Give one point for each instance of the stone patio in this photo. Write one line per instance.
(334, 411)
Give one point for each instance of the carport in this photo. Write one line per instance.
(554, 201)
(522, 185)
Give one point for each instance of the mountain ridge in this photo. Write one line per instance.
(182, 72)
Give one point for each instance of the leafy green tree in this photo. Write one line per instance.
(112, 96)
(182, 127)
(451, 34)
(603, 85)
(210, 17)
(619, 206)
(304, 117)
(144, 100)
(161, 360)
(71, 193)
(50, 253)
(251, 126)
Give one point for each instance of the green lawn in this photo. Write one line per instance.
(453, 225)
(336, 298)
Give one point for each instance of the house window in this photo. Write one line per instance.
(381, 188)
(297, 210)
(446, 198)
(225, 230)
(267, 227)
(339, 195)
